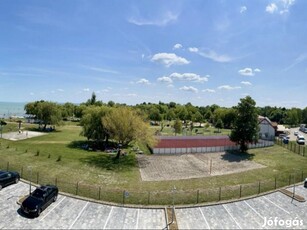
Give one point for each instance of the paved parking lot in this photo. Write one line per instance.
(70, 213)
(272, 211)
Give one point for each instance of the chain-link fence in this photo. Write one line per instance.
(176, 196)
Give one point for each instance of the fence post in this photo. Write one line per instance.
(289, 179)
(220, 191)
(124, 192)
(259, 189)
(240, 190)
(197, 197)
(148, 198)
(302, 175)
(99, 192)
(77, 188)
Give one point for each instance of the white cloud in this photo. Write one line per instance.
(257, 70)
(246, 83)
(298, 60)
(249, 71)
(216, 57)
(143, 81)
(271, 8)
(281, 6)
(169, 59)
(193, 49)
(208, 90)
(86, 89)
(246, 72)
(189, 88)
(211, 55)
(161, 20)
(98, 69)
(243, 9)
(228, 87)
(188, 77)
(177, 46)
(132, 95)
(165, 79)
(60, 90)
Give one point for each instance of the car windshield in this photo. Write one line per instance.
(38, 193)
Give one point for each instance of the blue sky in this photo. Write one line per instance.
(204, 52)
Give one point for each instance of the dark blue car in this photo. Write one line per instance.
(7, 178)
(39, 200)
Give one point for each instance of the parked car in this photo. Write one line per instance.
(295, 133)
(285, 140)
(300, 140)
(7, 178)
(39, 200)
(305, 183)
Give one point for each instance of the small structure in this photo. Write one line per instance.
(266, 129)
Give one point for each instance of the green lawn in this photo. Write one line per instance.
(57, 158)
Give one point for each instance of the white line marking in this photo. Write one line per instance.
(204, 218)
(105, 225)
(231, 216)
(276, 205)
(80, 213)
(256, 213)
(53, 208)
(137, 219)
(253, 209)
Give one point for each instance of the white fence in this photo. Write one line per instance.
(260, 144)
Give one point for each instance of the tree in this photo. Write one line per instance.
(293, 117)
(219, 124)
(125, 125)
(49, 113)
(246, 125)
(92, 127)
(177, 126)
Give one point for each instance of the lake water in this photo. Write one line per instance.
(8, 109)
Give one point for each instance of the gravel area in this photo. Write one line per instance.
(186, 166)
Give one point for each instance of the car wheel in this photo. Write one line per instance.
(55, 198)
(16, 180)
(39, 212)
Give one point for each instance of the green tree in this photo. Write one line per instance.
(92, 127)
(49, 113)
(125, 125)
(177, 126)
(293, 117)
(246, 125)
(219, 124)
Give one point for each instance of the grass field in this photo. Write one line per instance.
(58, 158)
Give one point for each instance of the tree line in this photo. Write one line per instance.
(103, 121)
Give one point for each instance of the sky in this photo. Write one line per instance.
(199, 51)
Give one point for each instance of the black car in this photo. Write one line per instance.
(7, 178)
(39, 200)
